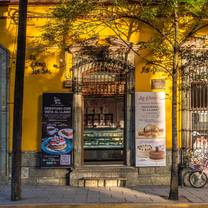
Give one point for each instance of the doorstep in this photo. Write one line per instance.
(102, 182)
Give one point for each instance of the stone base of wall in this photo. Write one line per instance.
(4, 179)
(33, 174)
(132, 176)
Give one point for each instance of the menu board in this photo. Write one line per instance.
(150, 129)
(57, 132)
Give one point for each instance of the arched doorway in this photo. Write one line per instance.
(3, 111)
(103, 86)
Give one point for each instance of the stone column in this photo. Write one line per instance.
(130, 110)
(78, 126)
(129, 119)
(3, 114)
(186, 113)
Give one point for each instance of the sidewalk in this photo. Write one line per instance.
(68, 196)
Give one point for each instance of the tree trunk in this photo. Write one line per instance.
(173, 195)
(18, 103)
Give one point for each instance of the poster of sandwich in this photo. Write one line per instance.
(57, 132)
(150, 129)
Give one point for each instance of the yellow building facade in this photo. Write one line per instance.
(104, 91)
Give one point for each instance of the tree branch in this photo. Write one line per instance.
(148, 24)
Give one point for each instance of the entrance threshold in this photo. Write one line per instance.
(103, 165)
(106, 163)
(103, 182)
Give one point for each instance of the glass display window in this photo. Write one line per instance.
(109, 119)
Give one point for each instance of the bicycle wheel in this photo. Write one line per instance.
(198, 179)
(186, 176)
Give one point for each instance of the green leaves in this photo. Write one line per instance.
(61, 28)
(72, 9)
(77, 19)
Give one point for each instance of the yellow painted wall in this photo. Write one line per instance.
(35, 85)
(143, 84)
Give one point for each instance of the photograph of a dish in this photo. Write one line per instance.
(151, 130)
(66, 133)
(157, 154)
(144, 149)
(56, 145)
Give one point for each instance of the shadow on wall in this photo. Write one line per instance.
(8, 26)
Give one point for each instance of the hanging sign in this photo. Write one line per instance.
(57, 133)
(150, 129)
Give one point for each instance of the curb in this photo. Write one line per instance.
(115, 205)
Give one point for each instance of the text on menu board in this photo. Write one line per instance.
(57, 132)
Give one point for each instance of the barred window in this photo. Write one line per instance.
(199, 95)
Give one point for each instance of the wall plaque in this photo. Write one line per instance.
(157, 84)
(67, 84)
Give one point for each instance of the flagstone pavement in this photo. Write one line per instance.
(48, 194)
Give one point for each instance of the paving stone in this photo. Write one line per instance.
(68, 195)
(93, 197)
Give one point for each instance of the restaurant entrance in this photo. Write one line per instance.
(104, 130)
(104, 98)
(103, 102)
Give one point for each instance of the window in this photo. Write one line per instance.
(199, 95)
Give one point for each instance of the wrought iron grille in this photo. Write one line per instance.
(195, 100)
(197, 134)
(103, 84)
(199, 96)
(106, 77)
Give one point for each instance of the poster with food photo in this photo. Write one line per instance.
(151, 152)
(57, 132)
(150, 127)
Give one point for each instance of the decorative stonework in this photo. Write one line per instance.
(98, 60)
(108, 65)
(109, 47)
(195, 77)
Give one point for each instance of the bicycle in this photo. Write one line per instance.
(194, 171)
(198, 177)
(195, 162)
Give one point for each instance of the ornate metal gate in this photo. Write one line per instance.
(195, 99)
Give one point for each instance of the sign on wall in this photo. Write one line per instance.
(150, 129)
(157, 84)
(57, 133)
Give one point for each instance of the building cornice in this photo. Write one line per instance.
(52, 2)
(30, 2)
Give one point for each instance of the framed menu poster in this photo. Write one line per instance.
(150, 129)
(57, 132)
